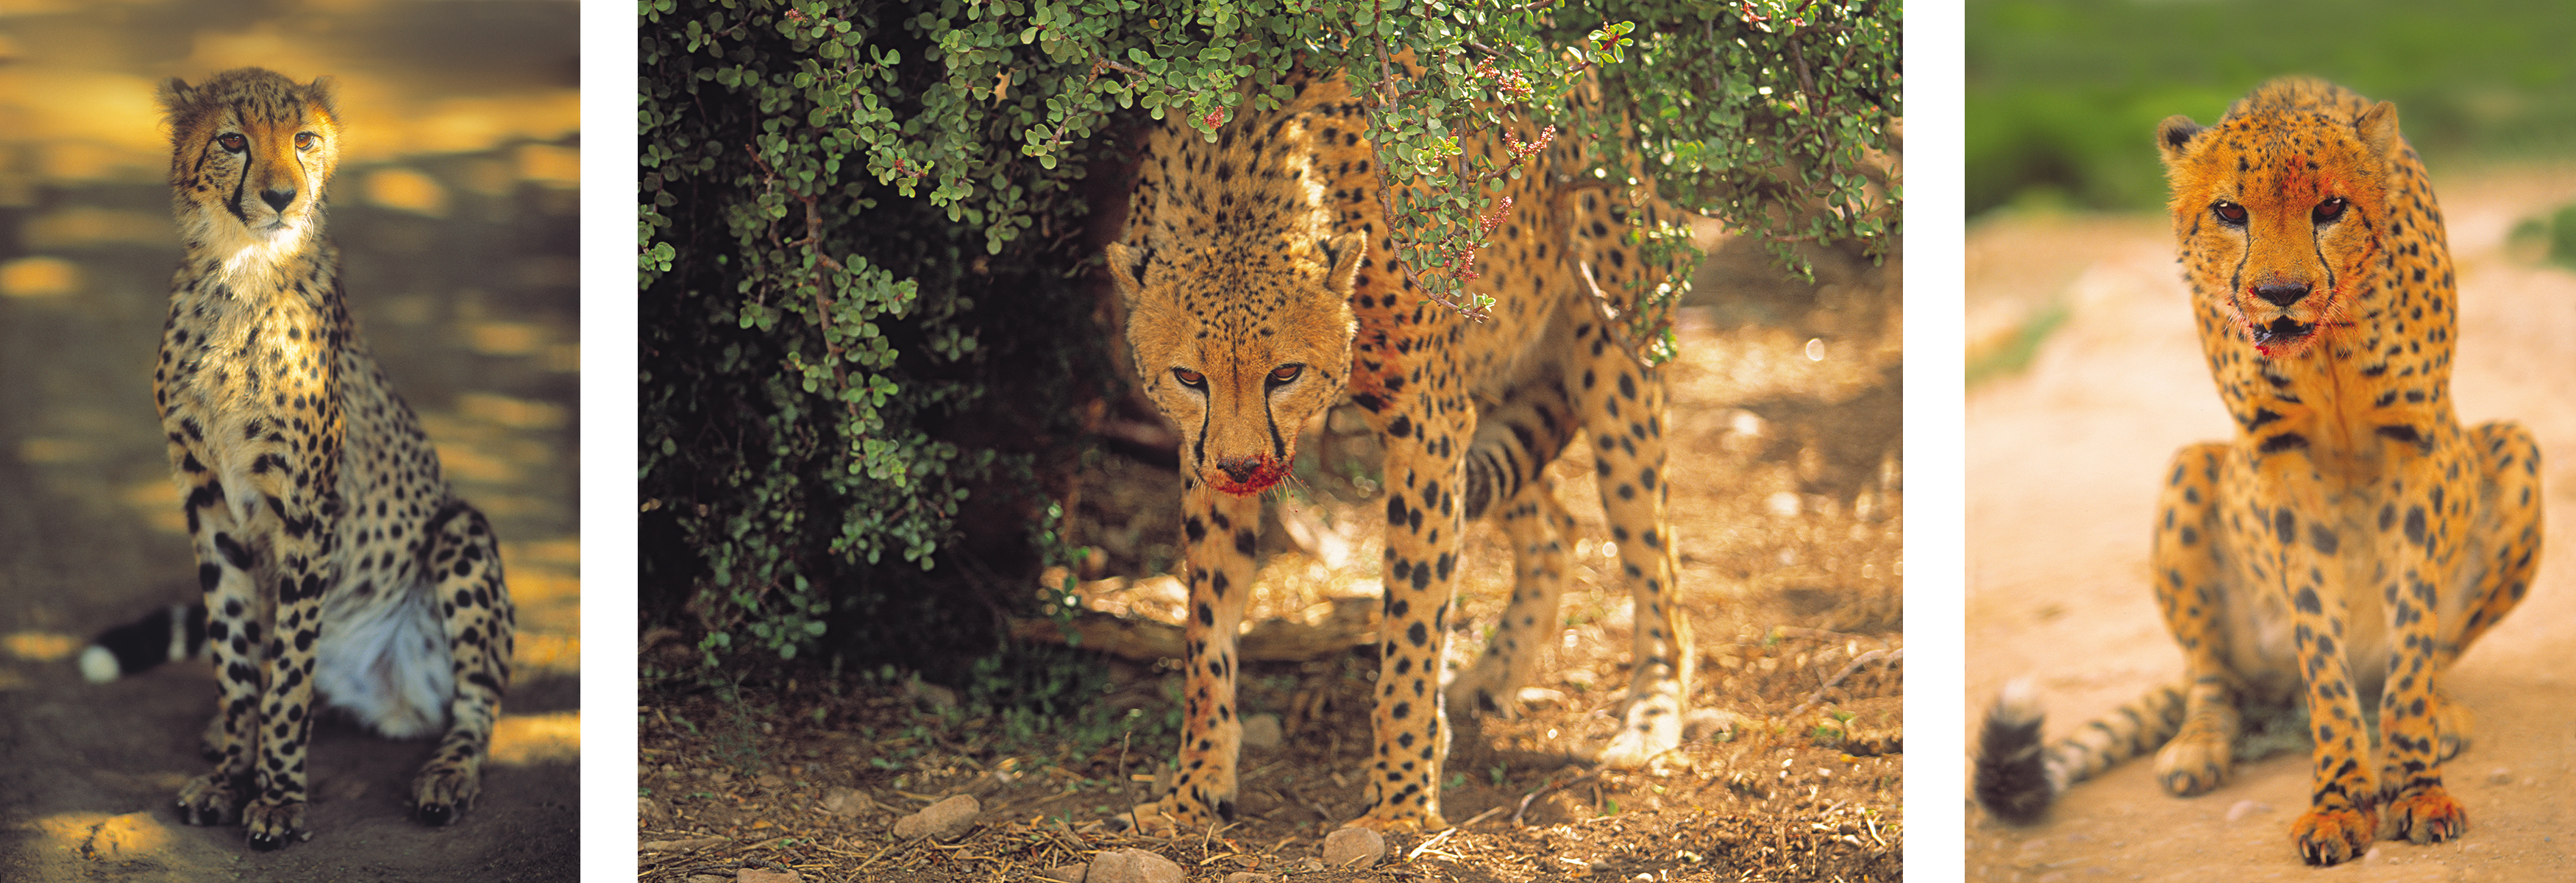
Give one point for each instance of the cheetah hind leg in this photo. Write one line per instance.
(1507, 479)
(466, 562)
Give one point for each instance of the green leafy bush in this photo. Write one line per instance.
(863, 240)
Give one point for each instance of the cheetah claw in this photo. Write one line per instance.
(273, 825)
(2427, 817)
(1393, 823)
(2334, 836)
(439, 796)
(1170, 816)
(212, 799)
(1654, 726)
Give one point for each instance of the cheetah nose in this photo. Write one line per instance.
(278, 199)
(2282, 295)
(1239, 470)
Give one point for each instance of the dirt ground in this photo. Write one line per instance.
(439, 164)
(1786, 415)
(2062, 466)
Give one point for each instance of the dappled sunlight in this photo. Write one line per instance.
(455, 213)
(133, 836)
(545, 587)
(39, 278)
(523, 739)
(406, 190)
(40, 646)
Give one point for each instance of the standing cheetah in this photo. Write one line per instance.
(333, 556)
(2352, 539)
(1261, 290)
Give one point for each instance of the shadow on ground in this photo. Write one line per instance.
(456, 211)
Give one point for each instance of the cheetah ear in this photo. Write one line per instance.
(321, 92)
(2173, 135)
(2378, 127)
(174, 94)
(1346, 252)
(1127, 269)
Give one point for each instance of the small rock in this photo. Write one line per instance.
(765, 875)
(2501, 776)
(1705, 723)
(771, 781)
(1353, 847)
(719, 776)
(707, 878)
(845, 801)
(1783, 504)
(652, 812)
(1132, 865)
(931, 696)
(2245, 808)
(942, 820)
(1309, 865)
(1261, 732)
(1250, 877)
(1064, 873)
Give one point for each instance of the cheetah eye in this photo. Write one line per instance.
(2331, 209)
(232, 141)
(306, 141)
(1189, 378)
(2228, 213)
(1284, 373)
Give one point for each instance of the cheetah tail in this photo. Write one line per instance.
(2016, 778)
(169, 634)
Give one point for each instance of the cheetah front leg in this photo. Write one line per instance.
(2191, 591)
(262, 642)
(1623, 404)
(1221, 532)
(2297, 559)
(465, 560)
(2418, 726)
(237, 618)
(1425, 471)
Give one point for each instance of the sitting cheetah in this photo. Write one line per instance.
(1260, 291)
(2353, 539)
(333, 556)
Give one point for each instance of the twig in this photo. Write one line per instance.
(1525, 799)
(1612, 324)
(1857, 663)
(1487, 814)
(1435, 840)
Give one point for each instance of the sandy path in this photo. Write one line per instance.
(2062, 462)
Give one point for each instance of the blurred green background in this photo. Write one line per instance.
(2062, 96)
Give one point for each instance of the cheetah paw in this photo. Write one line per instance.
(2334, 836)
(1392, 821)
(273, 825)
(212, 799)
(1654, 726)
(442, 793)
(2189, 767)
(2427, 817)
(1171, 816)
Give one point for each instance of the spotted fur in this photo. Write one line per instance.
(333, 556)
(1262, 288)
(2352, 539)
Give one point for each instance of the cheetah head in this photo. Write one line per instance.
(1240, 346)
(2281, 216)
(250, 152)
